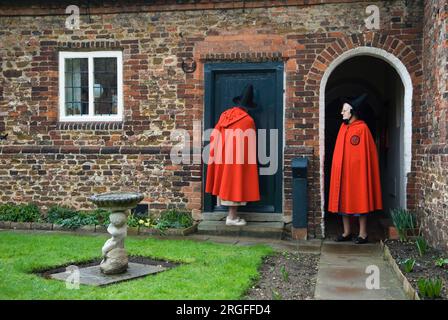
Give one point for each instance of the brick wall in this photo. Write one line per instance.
(431, 160)
(160, 97)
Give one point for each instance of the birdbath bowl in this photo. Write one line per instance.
(115, 257)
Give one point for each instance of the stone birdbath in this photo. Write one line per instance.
(115, 257)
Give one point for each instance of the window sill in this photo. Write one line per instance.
(90, 125)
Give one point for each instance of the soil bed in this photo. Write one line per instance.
(424, 266)
(286, 276)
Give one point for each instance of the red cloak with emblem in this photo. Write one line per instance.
(355, 186)
(233, 178)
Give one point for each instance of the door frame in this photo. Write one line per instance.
(210, 69)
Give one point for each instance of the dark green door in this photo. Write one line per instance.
(223, 81)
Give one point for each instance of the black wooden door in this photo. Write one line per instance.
(223, 81)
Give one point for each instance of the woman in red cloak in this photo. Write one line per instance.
(355, 187)
(232, 173)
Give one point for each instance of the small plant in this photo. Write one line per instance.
(285, 274)
(148, 222)
(430, 288)
(133, 221)
(408, 265)
(403, 220)
(276, 295)
(441, 262)
(174, 219)
(422, 245)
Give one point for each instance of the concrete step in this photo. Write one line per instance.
(272, 230)
(248, 216)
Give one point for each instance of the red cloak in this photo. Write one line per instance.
(233, 179)
(355, 176)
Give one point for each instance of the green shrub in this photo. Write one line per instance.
(403, 220)
(56, 214)
(430, 288)
(408, 265)
(422, 245)
(174, 219)
(29, 213)
(20, 213)
(7, 212)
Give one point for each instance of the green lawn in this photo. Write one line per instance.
(209, 270)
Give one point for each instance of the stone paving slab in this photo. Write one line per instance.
(332, 292)
(94, 276)
(342, 273)
(351, 248)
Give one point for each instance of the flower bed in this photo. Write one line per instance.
(29, 217)
(426, 265)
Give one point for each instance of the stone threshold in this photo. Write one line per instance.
(411, 293)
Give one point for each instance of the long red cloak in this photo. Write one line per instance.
(355, 176)
(233, 178)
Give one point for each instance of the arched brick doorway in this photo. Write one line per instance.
(386, 79)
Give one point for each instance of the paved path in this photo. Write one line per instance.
(342, 273)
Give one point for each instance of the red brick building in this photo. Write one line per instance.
(92, 109)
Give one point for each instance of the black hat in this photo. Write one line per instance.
(355, 102)
(246, 98)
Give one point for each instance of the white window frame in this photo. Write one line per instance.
(90, 55)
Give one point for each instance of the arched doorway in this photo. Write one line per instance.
(388, 115)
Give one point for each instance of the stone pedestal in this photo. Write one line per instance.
(115, 258)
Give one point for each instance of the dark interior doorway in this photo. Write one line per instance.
(384, 117)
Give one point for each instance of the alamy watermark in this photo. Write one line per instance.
(72, 281)
(373, 280)
(234, 146)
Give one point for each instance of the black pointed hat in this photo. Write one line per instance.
(355, 102)
(246, 98)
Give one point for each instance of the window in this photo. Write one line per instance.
(90, 86)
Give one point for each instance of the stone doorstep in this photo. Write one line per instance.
(407, 287)
(250, 226)
(93, 275)
(248, 216)
(236, 234)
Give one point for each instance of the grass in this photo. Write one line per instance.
(209, 270)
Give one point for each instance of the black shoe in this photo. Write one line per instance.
(341, 238)
(361, 240)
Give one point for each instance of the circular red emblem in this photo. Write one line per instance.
(354, 140)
